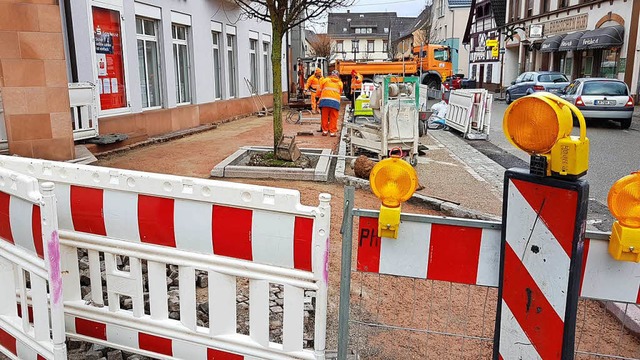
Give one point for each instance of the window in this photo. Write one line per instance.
(563, 4)
(253, 63)
(528, 77)
(369, 30)
(231, 64)
(266, 55)
(109, 55)
(440, 8)
(552, 78)
(571, 89)
(217, 65)
(386, 30)
(344, 29)
(148, 63)
(545, 6)
(515, 9)
(354, 45)
(339, 46)
(605, 88)
(489, 73)
(181, 61)
(370, 46)
(385, 46)
(441, 54)
(529, 8)
(608, 66)
(357, 30)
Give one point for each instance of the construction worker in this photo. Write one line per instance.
(330, 91)
(313, 85)
(356, 85)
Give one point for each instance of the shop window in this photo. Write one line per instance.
(253, 62)
(179, 35)
(109, 58)
(266, 59)
(148, 62)
(231, 64)
(489, 73)
(217, 64)
(608, 66)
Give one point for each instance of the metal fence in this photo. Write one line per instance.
(436, 311)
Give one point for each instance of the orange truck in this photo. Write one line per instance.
(433, 64)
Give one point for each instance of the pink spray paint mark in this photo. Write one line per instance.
(53, 247)
(325, 274)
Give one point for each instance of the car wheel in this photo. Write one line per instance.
(507, 98)
(625, 124)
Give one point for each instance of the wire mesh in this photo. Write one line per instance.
(404, 318)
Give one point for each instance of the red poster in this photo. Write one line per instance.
(108, 42)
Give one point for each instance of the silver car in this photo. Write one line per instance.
(532, 81)
(601, 98)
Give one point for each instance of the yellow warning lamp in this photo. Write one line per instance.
(541, 125)
(393, 181)
(624, 204)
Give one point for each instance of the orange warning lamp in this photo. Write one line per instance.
(541, 124)
(393, 181)
(624, 204)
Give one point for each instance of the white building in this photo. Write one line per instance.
(167, 65)
(449, 20)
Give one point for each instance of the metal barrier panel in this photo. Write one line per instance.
(432, 293)
(136, 228)
(84, 110)
(459, 111)
(31, 314)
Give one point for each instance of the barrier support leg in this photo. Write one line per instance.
(542, 241)
(345, 273)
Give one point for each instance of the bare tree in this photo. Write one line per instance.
(321, 46)
(283, 16)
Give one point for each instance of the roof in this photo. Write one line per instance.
(418, 23)
(378, 21)
(310, 36)
(459, 3)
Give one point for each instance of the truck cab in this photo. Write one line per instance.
(434, 64)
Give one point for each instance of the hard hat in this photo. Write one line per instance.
(318, 71)
(353, 72)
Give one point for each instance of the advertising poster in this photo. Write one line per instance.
(108, 47)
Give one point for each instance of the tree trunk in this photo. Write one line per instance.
(276, 66)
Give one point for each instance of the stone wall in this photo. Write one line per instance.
(33, 80)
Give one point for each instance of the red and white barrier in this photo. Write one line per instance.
(468, 252)
(229, 230)
(29, 247)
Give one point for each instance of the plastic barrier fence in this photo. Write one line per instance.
(241, 236)
(30, 275)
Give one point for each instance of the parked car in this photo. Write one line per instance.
(601, 98)
(532, 81)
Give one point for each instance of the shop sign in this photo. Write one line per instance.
(561, 26)
(109, 58)
(535, 31)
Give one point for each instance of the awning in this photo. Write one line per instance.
(570, 42)
(552, 44)
(603, 38)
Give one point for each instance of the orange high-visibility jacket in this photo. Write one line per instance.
(356, 83)
(330, 92)
(313, 83)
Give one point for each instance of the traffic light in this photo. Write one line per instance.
(541, 125)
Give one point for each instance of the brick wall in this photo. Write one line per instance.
(33, 80)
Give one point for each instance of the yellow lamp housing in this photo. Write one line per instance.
(393, 181)
(540, 124)
(624, 204)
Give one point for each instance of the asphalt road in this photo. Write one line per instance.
(614, 153)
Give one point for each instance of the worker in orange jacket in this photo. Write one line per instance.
(313, 85)
(356, 85)
(330, 92)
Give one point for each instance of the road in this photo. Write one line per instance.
(614, 153)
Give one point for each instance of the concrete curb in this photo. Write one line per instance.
(448, 208)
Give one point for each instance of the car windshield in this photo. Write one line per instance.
(552, 78)
(606, 88)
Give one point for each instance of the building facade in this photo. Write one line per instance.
(364, 36)
(448, 26)
(483, 38)
(580, 38)
(168, 65)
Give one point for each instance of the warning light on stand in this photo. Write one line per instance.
(393, 181)
(624, 204)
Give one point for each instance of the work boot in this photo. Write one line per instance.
(324, 133)
(332, 134)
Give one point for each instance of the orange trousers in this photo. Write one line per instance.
(314, 101)
(329, 120)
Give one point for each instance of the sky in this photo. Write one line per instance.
(408, 8)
